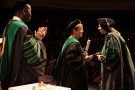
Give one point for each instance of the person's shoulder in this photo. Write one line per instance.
(18, 22)
(74, 44)
(22, 24)
(113, 34)
(110, 33)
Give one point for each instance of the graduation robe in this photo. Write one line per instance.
(71, 66)
(117, 69)
(14, 69)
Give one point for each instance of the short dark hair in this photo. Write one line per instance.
(20, 4)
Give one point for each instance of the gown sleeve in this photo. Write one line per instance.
(111, 53)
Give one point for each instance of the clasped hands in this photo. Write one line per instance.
(88, 58)
(41, 33)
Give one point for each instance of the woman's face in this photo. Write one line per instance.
(102, 31)
(79, 31)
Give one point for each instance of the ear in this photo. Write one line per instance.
(73, 31)
(24, 11)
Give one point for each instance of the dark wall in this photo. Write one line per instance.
(57, 19)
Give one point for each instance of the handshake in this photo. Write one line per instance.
(88, 58)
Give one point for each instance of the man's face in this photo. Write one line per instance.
(27, 13)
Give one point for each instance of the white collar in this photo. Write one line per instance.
(16, 18)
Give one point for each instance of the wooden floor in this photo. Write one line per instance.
(93, 87)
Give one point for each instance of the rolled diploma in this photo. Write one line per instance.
(87, 45)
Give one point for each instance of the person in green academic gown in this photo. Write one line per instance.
(70, 66)
(15, 67)
(117, 68)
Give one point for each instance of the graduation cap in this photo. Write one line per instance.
(105, 21)
(72, 24)
(20, 4)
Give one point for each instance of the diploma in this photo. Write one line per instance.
(87, 45)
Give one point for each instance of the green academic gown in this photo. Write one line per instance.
(117, 69)
(70, 67)
(14, 69)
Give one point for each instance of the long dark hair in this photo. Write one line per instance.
(109, 28)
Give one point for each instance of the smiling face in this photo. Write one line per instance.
(78, 31)
(27, 13)
(102, 31)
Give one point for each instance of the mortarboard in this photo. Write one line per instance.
(72, 24)
(19, 4)
(105, 21)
